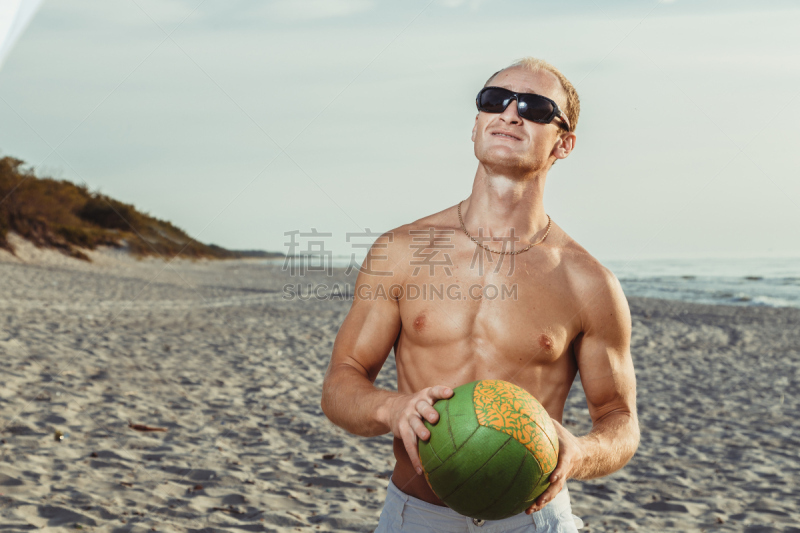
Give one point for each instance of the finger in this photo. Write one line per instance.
(559, 476)
(419, 428)
(410, 444)
(536, 506)
(427, 411)
(558, 473)
(439, 391)
(549, 494)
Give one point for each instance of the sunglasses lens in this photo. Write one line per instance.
(529, 106)
(493, 100)
(534, 108)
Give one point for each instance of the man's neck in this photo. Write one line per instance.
(503, 205)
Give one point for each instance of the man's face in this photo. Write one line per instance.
(506, 141)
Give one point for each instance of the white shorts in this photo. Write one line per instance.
(406, 513)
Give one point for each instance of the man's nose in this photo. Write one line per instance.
(510, 115)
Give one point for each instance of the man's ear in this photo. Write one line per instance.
(564, 145)
(475, 128)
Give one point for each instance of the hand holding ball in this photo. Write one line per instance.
(491, 453)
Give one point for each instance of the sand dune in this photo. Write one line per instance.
(212, 352)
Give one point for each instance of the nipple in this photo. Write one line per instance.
(545, 342)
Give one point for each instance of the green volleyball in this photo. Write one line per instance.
(491, 453)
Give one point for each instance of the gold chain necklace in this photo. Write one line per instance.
(473, 239)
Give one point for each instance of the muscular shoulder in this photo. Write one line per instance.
(395, 247)
(433, 227)
(584, 270)
(441, 223)
(598, 294)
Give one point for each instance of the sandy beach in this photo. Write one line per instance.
(213, 353)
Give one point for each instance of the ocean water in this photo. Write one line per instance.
(764, 281)
(771, 282)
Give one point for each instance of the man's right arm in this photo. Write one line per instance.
(368, 333)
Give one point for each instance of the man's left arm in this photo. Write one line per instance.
(606, 371)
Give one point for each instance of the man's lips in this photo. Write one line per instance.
(505, 135)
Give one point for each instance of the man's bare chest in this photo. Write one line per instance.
(519, 311)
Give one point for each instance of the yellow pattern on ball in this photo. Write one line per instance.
(511, 409)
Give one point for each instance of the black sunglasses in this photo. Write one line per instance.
(533, 107)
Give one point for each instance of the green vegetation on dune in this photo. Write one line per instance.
(61, 215)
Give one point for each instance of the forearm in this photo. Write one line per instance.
(608, 446)
(352, 402)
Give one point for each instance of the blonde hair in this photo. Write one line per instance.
(573, 107)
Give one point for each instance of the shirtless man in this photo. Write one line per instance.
(563, 312)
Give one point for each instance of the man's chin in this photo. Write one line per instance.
(506, 163)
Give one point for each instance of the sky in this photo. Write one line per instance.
(244, 120)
